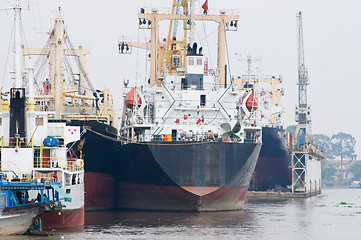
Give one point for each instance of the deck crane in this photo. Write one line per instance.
(303, 134)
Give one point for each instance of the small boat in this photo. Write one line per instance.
(355, 184)
(18, 208)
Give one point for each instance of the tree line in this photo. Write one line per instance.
(338, 146)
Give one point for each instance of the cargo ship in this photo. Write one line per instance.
(42, 156)
(273, 170)
(35, 148)
(190, 140)
(62, 90)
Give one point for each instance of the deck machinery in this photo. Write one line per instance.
(306, 158)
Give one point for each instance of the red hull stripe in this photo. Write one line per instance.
(99, 191)
(173, 198)
(62, 219)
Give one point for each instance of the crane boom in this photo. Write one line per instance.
(302, 70)
(303, 132)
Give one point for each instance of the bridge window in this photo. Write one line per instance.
(199, 61)
(203, 100)
(191, 61)
(176, 61)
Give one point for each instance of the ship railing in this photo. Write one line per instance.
(198, 138)
(177, 84)
(55, 175)
(300, 148)
(48, 176)
(13, 172)
(317, 152)
(193, 105)
(70, 164)
(178, 138)
(41, 106)
(17, 142)
(216, 12)
(251, 140)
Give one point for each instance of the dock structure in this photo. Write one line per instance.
(305, 157)
(306, 170)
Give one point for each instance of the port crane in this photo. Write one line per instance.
(303, 134)
(306, 158)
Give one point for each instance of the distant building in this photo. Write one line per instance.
(342, 172)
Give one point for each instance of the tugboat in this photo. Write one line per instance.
(190, 139)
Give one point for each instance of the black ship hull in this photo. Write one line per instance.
(99, 154)
(185, 176)
(274, 164)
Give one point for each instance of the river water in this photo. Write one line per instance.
(335, 214)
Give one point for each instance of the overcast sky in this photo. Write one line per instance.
(267, 30)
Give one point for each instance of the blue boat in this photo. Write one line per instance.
(20, 202)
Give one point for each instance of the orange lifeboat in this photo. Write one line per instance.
(252, 101)
(130, 101)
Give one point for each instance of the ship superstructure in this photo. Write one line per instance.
(273, 169)
(34, 148)
(58, 98)
(190, 140)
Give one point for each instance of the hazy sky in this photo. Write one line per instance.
(267, 29)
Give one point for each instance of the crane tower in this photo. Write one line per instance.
(303, 111)
(306, 158)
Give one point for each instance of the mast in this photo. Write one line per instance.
(192, 22)
(227, 21)
(31, 82)
(17, 40)
(17, 122)
(57, 63)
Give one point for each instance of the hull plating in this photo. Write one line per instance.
(15, 224)
(62, 219)
(16, 220)
(274, 163)
(99, 191)
(184, 176)
(100, 155)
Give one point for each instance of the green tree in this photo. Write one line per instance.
(328, 170)
(324, 144)
(343, 145)
(355, 169)
(291, 129)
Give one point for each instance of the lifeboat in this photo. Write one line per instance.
(252, 101)
(130, 101)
